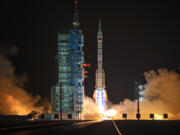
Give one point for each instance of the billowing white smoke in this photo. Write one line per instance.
(90, 109)
(161, 96)
(162, 93)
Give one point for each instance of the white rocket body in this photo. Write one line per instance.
(100, 95)
(100, 75)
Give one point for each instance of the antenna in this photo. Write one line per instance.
(76, 21)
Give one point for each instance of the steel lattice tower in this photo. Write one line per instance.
(67, 95)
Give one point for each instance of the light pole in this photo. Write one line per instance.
(61, 100)
(137, 96)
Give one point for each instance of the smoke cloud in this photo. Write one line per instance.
(13, 98)
(161, 96)
(162, 92)
(90, 109)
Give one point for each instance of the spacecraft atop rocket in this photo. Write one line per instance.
(100, 95)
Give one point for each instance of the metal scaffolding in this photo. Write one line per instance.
(64, 94)
(77, 71)
(67, 96)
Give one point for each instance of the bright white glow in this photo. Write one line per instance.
(100, 100)
(110, 113)
(158, 117)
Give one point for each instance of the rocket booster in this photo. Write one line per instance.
(100, 75)
(100, 95)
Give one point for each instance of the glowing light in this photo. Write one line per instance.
(110, 113)
(100, 99)
(101, 109)
(158, 117)
(141, 89)
(17, 106)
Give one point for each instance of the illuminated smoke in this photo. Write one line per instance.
(13, 98)
(161, 96)
(90, 109)
(163, 92)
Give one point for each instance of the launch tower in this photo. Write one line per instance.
(67, 95)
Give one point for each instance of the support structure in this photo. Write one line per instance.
(139, 95)
(67, 95)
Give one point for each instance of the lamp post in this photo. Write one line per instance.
(138, 97)
(61, 84)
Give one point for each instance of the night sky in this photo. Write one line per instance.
(138, 37)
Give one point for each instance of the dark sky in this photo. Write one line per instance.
(138, 37)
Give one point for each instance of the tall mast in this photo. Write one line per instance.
(76, 20)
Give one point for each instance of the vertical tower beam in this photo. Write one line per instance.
(76, 60)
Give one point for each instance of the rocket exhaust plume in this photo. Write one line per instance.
(15, 100)
(161, 96)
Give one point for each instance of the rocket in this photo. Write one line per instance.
(100, 95)
(100, 75)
